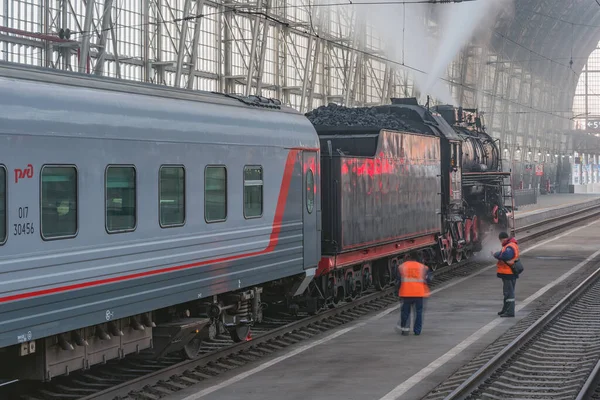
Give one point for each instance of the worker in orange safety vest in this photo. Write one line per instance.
(506, 258)
(413, 279)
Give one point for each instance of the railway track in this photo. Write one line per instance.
(557, 357)
(591, 388)
(128, 378)
(141, 378)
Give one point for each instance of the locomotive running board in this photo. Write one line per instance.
(173, 336)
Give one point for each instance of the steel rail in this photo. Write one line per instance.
(591, 384)
(343, 312)
(163, 374)
(138, 383)
(472, 383)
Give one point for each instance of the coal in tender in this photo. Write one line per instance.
(383, 117)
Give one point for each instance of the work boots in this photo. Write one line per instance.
(504, 305)
(509, 310)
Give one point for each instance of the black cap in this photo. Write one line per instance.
(503, 235)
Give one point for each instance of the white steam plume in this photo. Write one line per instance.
(459, 21)
(407, 34)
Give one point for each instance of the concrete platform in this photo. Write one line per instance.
(369, 360)
(557, 200)
(554, 205)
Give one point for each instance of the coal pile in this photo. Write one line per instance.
(380, 117)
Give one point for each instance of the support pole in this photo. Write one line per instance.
(146, 44)
(194, 60)
(263, 49)
(85, 41)
(349, 75)
(227, 49)
(65, 52)
(182, 38)
(385, 85)
(253, 50)
(313, 78)
(106, 19)
(113, 35)
(306, 69)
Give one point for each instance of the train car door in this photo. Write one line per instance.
(311, 210)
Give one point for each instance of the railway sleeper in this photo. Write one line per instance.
(526, 393)
(549, 385)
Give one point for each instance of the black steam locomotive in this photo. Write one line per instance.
(398, 178)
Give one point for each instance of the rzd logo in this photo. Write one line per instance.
(23, 173)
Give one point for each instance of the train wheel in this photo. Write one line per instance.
(448, 248)
(240, 333)
(458, 255)
(467, 254)
(192, 349)
(350, 288)
(431, 260)
(380, 276)
(358, 290)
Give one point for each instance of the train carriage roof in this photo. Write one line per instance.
(48, 102)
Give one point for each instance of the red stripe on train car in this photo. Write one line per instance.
(273, 240)
(329, 263)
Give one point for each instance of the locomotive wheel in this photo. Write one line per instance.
(358, 290)
(448, 250)
(458, 255)
(467, 254)
(239, 333)
(350, 288)
(340, 295)
(381, 277)
(192, 349)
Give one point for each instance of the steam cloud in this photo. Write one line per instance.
(490, 244)
(409, 38)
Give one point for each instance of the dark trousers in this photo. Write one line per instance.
(508, 287)
(407, 303)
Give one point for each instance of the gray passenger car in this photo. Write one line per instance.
(127, 209)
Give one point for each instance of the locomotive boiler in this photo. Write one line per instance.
(483, 179)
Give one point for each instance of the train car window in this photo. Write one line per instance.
(58, 203)
(253, 191)
(172, 196)
(2, 204)
(215, 194)
(121, 214)
(310, 191)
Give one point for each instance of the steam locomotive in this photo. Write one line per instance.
(399, 178)
(140, 218)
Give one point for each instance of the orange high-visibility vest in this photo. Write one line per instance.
(413, 280)
(503, 267)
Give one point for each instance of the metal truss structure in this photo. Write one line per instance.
(308, 54)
